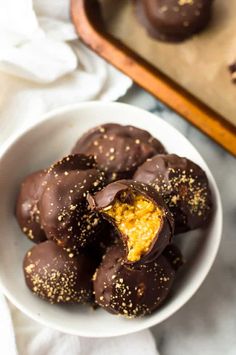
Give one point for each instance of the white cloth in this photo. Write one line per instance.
(43, 65)
(7, 335)
(33, 339)
(23, 336)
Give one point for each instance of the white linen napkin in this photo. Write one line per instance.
(23, 336)
(44, 66)
(33, 339)
(7, 335)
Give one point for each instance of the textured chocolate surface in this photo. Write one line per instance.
(174, 256)
(118, 150)
(65, 214)
(122, 290)
(109, 194)
(52, 274)
(27, 212)
(173, 20)
(184, 187)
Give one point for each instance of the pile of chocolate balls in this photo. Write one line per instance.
(104, 219)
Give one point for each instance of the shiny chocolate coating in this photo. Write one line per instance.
(130, 292)
(58, 277)
(173, 20)
(118, 149)
(184, 187)
(27, 211)
(65, 214)
(174, 256)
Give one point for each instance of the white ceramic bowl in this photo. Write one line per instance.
(48, 141)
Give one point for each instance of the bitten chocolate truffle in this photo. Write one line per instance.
(53, 275)
(184, 187)
(118, 150)
(27, 212)
(132, 292)
(173, 20)
(139, 215)
(65, 214)
(232, 70)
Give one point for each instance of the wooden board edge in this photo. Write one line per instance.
(86, 18)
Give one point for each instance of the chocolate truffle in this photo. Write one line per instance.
(173, 20)
(118, 150)
(140, 216)
(232, 70)
(27, 212)
(184, 187)
(53, 275)
(122, 290)
(65, 214)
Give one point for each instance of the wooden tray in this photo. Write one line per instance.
(87, 18)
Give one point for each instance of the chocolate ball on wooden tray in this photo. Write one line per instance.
(173, 20)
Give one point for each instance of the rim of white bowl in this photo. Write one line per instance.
(178, 302)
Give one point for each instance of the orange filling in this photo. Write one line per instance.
(139, 221)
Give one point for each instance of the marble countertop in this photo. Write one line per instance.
(207, 323)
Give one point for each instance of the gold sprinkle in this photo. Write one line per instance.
(186, 23)
(163, 9)
(185, 2)
(29, 268)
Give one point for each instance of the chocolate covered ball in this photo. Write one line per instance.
(118, 149)
(130, 292)
(139, 215)
(184, 187)
(53, 275)
(173, 20)
(27, 211)
(65, 214)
